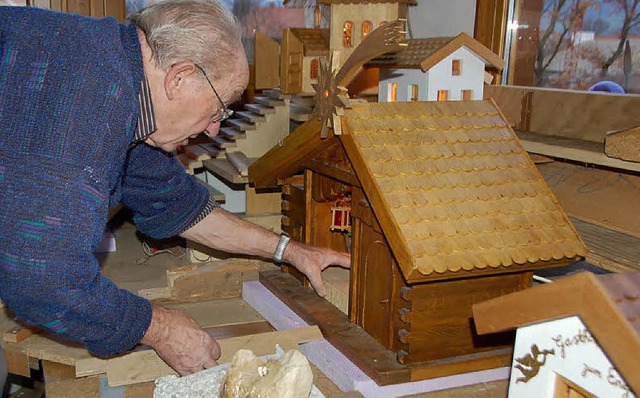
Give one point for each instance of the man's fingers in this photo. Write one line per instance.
(210, 364)
(317, 283)
(343, 260)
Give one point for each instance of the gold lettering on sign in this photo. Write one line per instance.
(582, 337)
(589, 370)
(529, 365)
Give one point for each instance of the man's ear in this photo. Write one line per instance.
(174, 81)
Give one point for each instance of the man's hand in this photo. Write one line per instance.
(311, 260)
(180, 342)
(222, 230)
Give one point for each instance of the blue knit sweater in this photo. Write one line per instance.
(68, 110)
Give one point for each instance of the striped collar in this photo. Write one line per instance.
(146, 118)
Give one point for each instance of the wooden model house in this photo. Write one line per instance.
(576, 337)
(351, 21)
(300, 56)
(441, 208)
(435, 69)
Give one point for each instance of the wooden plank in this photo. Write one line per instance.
(580, 115)
(263, 201)
(18, 333)
(267, 62)
(216, 280)
(623, 144)
(359, 347)
(143, 366)
(95, 366)
(602, 197)
(240, 162)
(573, 149)
(225, 170)
(300, 145)
(17, 361)
(197, 152)
(60, 381)
(608, 249)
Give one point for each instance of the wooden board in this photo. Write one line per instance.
(215, 280)
(143, 366)
(240, 162)
(363, 350)
(267, 62)
(225, 170)
(263, 201)
(18, 333)
(573, 149)
(602, 197)
(95, 366)
(573, 114)
(608, 249)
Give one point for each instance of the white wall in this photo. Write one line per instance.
(404, 81)
(436, 18)
(471, 77)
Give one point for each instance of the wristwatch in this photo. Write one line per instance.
(282, 245)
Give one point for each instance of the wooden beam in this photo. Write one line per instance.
(143, 366)
(18, 333)
(285, 160)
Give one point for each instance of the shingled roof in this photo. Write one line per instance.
(315, 41)
(425, 53)
(454, 183)
(609, 305)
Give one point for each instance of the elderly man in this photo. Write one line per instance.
(89, 113)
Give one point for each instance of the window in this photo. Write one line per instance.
(413, 91)
(313, 72)
(456, 64)
(366, 29)
(347, 34)
(467, 95)
(572, 44)
(443, 95)
(392, 93)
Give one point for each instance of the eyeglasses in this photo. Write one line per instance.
(224, 113)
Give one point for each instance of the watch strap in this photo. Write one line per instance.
(278, 254)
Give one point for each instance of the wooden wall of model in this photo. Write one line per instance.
(92, 8)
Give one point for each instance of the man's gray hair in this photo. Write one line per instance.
(200, 31)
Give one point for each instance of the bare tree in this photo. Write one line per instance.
(631, 19)
(563, 15)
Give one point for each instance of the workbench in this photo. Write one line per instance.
(70, 371)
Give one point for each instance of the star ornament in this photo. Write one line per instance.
(331, 94)
(329, 97)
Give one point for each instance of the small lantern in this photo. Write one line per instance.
(341, 215)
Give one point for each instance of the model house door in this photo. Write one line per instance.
(378, 280)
